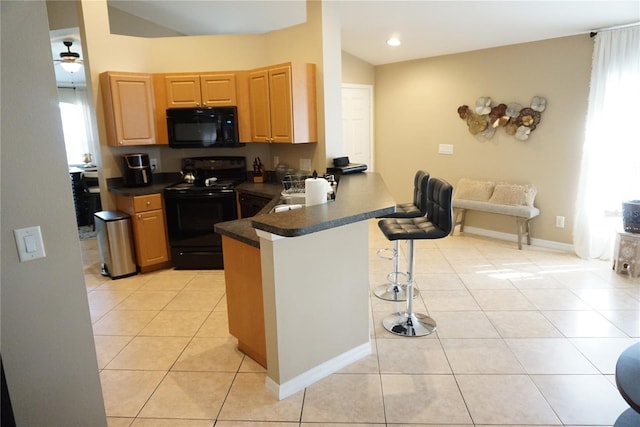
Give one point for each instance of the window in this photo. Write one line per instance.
(610, 171)
(76, 124)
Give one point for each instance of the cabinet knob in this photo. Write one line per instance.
(139, 216)
(148, 203)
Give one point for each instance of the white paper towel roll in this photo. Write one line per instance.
(315, 190)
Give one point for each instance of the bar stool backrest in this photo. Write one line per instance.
(420, 185)
(439, 204)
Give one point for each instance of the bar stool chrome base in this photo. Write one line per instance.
(409, 325)
(394, 291)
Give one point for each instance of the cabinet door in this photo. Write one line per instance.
(259, 104)
(151, 243)
(245, 309)
(128, 103)
(218, 89)
(280, 104)
(183, 91)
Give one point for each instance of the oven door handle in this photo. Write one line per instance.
(201, 195)
(196, 253)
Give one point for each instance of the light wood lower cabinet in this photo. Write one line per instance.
(243, 280)
(149, 231)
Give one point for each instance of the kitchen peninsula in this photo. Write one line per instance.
(314, 266)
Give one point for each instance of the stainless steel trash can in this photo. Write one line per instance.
(115, 244)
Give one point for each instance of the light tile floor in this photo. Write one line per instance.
(525, 337)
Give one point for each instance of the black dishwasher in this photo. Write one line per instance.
(250, 204)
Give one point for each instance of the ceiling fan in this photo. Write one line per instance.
(69, 61)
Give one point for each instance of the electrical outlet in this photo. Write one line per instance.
(560, 221)
(305, 164)
(154, 164)
(276, 161)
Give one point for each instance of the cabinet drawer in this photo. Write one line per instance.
(147, 203)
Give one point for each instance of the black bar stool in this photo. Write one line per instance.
(436, 224)
(395, 290)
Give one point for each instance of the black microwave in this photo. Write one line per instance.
(203, 127)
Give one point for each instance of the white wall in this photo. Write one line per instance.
(357, 71)
(416, 110)
(47, 341)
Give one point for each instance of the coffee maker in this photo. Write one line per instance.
(136, 170)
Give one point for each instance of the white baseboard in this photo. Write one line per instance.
(300, 382)
(549, 244)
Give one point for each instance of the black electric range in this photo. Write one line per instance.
(193, 209)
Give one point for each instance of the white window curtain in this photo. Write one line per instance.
(610, 168)
(76, 123)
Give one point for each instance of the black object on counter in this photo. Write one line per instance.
(136, 170)
(342, 166)
(340, 161)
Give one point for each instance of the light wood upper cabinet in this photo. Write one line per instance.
(259, 105)
(183, 91)
(218, 89)
(128, 104)
(283, 104)
(201, 90)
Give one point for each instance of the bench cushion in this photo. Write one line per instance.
(513, 210)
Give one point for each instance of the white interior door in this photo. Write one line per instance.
(357, 123)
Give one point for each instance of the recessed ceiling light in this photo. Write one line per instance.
(393, 41)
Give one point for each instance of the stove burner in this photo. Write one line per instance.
(222, 173)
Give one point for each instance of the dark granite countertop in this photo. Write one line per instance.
(261, 189)
(359, 197)
(159, 182)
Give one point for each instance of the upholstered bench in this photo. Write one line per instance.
(513, 200)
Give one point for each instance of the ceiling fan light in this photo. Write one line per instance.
(393, 41)
(70, 67)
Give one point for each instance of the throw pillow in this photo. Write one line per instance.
(513, 194)
(469, 189)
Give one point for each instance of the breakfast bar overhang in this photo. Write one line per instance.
(315, 278)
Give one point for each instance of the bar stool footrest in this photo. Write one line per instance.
(394, 292)
(381, 253)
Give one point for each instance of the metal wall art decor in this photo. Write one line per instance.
(484, 119)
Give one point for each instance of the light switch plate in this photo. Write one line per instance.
(29, 243)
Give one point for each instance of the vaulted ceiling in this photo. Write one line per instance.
(425, 28)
